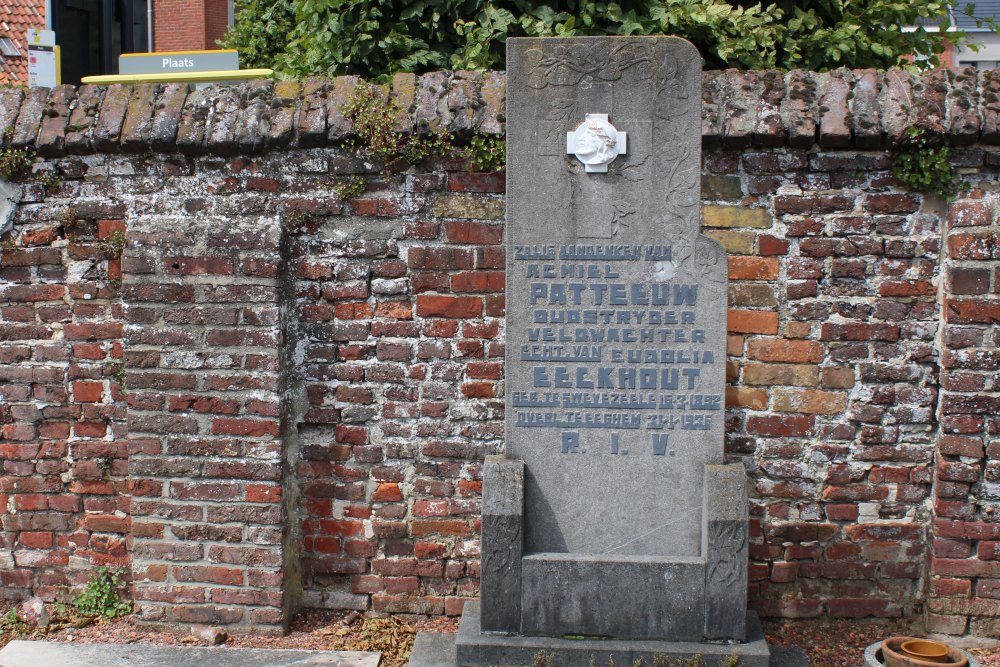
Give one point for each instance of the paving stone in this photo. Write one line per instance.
(57, 654)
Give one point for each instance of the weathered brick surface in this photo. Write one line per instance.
(203, 339)
(313, 383)
(846, 108)
(64, 504)
(966, 522)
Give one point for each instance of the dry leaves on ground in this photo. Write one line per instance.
(838, 643)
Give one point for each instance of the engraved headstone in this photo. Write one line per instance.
(631, 525)
(616, 305)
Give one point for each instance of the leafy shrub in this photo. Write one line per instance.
(375, 38)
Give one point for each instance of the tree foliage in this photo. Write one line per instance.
(376, 38)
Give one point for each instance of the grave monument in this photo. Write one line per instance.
(612, 527)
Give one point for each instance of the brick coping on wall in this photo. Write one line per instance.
(864, 109)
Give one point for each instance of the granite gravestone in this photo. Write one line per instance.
(612, 514)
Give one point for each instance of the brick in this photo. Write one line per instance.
(859, 331)
(786, 351)
(969, 214)
(473, 233)
(449, 306)
(88, 392)
(468, 206)
(753, 321)
(735, 216)
(734, 242)
(809, 401)
(968, 281)
(753, 268)
(747, 397)
(797, 375)
(798, 425)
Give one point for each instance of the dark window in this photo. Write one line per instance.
(92, 34)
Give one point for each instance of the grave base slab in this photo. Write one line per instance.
(475, 648)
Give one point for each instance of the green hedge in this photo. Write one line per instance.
(375, 38)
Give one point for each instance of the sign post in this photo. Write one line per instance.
(43, 59)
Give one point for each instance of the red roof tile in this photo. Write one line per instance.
(16, 16)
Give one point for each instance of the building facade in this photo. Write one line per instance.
(93, 33)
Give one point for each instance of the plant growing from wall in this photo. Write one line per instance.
(376, 138)
(114, 245)
(297, 219)
(101, 595)
(350, 187)
(920, 166)
(116, 369)
(13, 161)
(487, 152)
(48, 179)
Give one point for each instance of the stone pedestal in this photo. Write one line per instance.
(477, 648)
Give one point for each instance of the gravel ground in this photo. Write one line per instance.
(828, 643)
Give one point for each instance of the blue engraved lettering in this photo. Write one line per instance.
(541, 377)
(660, 294)
(685, 294)
(639, 296)
(669, 377)
(570, 442)
(659, 443)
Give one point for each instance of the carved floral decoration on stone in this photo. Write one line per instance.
(585, 64)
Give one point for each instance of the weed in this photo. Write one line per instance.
(296, 219)
(486, 152)
(70, 222)
(350, 187)
(100, 596)
(12, 623)
(376, 137)
(114, 245)
(922, 167)
(116, 369)
(543, 659)
(104, 464)
(48, 179)
(13, 161)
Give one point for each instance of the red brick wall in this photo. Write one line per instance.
(313, 383)
(188, 25)
(965, 570)
(64, 495)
